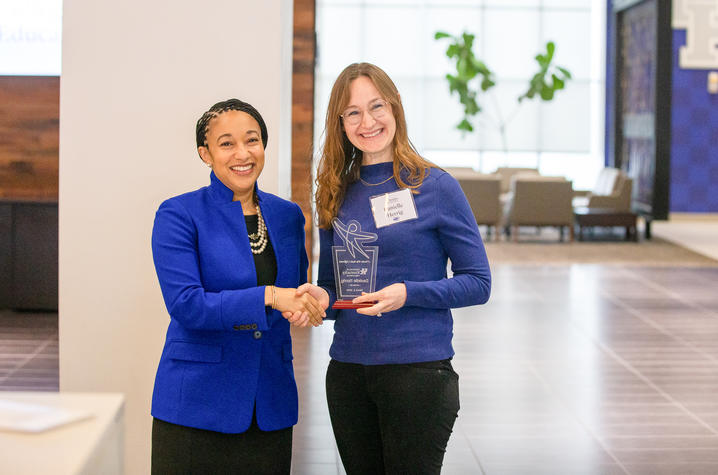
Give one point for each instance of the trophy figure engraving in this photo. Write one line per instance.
(354, 264)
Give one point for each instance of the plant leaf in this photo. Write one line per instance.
(486, 84)
(468, 40)
(440, 34)
(471, 108)
(462, 68)
(465, 125)
(550, 49)
(566, 72)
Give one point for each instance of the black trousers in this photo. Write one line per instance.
(392, 419)
(178, 450)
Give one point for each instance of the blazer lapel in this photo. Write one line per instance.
(233, 217)
(272, 221)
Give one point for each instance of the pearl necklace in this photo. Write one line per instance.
(258, 240)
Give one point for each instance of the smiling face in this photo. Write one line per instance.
(373, 136)
(234, 150)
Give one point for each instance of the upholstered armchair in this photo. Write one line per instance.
(482, 192)
(507, 173)
(612, 191)
(539, 201)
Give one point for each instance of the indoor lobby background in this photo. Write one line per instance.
(607, 357)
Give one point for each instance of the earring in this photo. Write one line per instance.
(208, 164)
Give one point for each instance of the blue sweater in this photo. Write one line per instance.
(413, 252)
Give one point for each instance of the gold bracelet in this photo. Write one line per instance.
(274, 297)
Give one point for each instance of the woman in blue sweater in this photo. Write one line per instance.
(392, 393)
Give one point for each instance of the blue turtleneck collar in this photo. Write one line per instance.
(376, 171)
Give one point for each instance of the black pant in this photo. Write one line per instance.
(392, 419)
(178, 450)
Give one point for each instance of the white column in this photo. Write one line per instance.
(136, 75)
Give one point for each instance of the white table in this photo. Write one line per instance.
(90, 446)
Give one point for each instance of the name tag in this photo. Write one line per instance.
(392, 208)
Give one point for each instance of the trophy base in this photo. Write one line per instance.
(340, 304)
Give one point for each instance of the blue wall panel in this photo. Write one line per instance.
(694, 146)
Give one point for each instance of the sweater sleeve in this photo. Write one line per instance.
(460, 238)
(176, 258)
(325, 279)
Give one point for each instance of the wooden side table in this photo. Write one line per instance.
(588, 217)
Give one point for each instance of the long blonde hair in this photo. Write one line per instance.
(340, 160)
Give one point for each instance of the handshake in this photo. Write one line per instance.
(307, 304)
(303, 306)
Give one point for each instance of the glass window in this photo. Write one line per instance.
(561, 137)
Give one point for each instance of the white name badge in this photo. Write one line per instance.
(392, 208)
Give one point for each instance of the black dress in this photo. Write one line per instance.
(179, 449)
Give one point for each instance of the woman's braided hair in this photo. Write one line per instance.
(222, 107)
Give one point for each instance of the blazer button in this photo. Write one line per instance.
(254, 326)
(236, 327)
(257, 335)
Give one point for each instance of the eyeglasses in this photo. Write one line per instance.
(377, 108)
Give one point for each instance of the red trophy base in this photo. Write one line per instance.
(340, 304)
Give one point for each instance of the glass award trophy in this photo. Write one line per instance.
(354, 264)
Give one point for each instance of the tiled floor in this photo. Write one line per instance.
(698, 232)
(28, 351)
(577, 369)
(570, 369)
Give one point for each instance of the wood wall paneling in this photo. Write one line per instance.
(303, 112)
(29, 137)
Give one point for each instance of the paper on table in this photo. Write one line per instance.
(25, 417)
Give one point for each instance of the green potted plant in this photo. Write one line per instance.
(473, 78)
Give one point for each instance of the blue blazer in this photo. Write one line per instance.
(225, 352)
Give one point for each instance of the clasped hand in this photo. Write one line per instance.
(303, 306)
(391, 297)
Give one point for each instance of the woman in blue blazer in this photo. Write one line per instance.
(229, 258)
